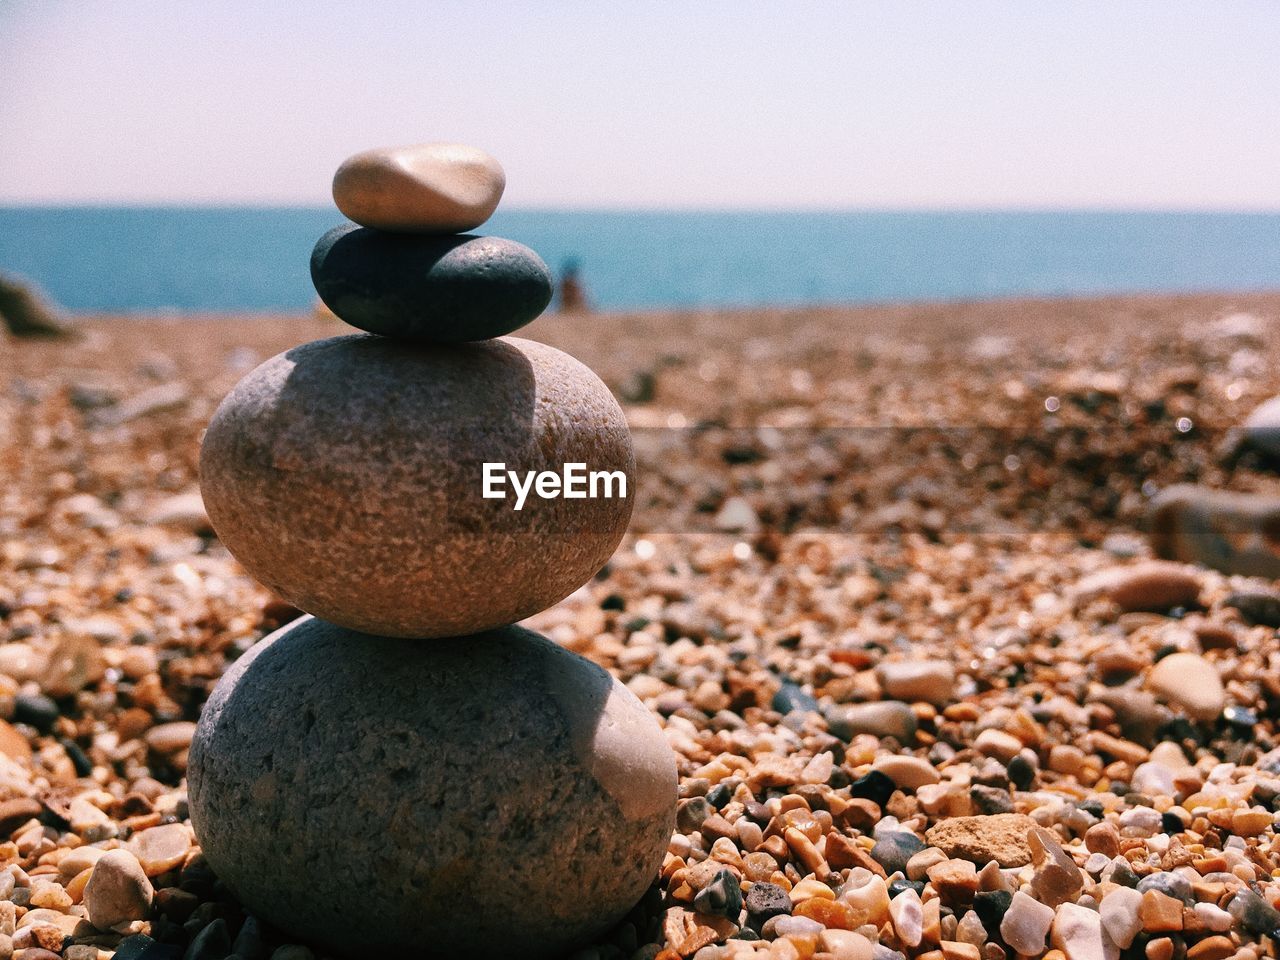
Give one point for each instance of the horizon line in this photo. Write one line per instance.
(214, 205)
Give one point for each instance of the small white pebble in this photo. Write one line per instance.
(1213, 917)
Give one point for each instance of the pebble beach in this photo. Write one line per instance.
(886, 590)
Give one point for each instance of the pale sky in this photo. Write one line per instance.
(692, 104)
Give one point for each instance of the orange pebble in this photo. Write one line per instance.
(834, 914)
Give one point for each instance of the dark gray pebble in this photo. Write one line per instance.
(1257, 607)
(442, 289)
(211, 943)
(1123, 875)
(990, 800)
(893, 850)
(765, 900)
(691, 813)
(1253, 913)
(719, 795)
(35, 710)
(1170, 884)
(142, 947)
(722, 897)
(790, 697)
(902, 885)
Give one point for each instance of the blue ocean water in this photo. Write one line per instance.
(222, 259)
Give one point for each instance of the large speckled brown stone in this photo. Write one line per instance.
(1001, 837)
(489, 796)
(346, 475)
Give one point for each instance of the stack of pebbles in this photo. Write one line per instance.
(405, 773)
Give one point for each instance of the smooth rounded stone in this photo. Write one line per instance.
(170, 737)
(346, 475)
(1022, 772)
(893, 850)
(429, 289)
(907, 914)
(118, 890)
(1188, 681)
(906, 771)
(1153, 780)
(1152, 585)
(425, 188)
(211, 943)
(1121, 919)
(1262, 427)
(1258, 606)
(930, 681)
(888, 718)
(1026, 924)
(998, 744)
(470, 766)
(1139, 714)
(160, 849)
(845, 945)
(1001, 837)
(1224, 530)
(1077, 932)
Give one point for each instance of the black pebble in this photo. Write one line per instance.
(719, 795)
(429, 288)
(211, 943)
(35, 710)
(142, 947)
(874, 786)
(1171, 823)
(990, 906)
(79, 760)
(901, 886)
(1021, 773)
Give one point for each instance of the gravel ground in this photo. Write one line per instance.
(885, 589)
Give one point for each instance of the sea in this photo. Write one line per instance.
(219, 259)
